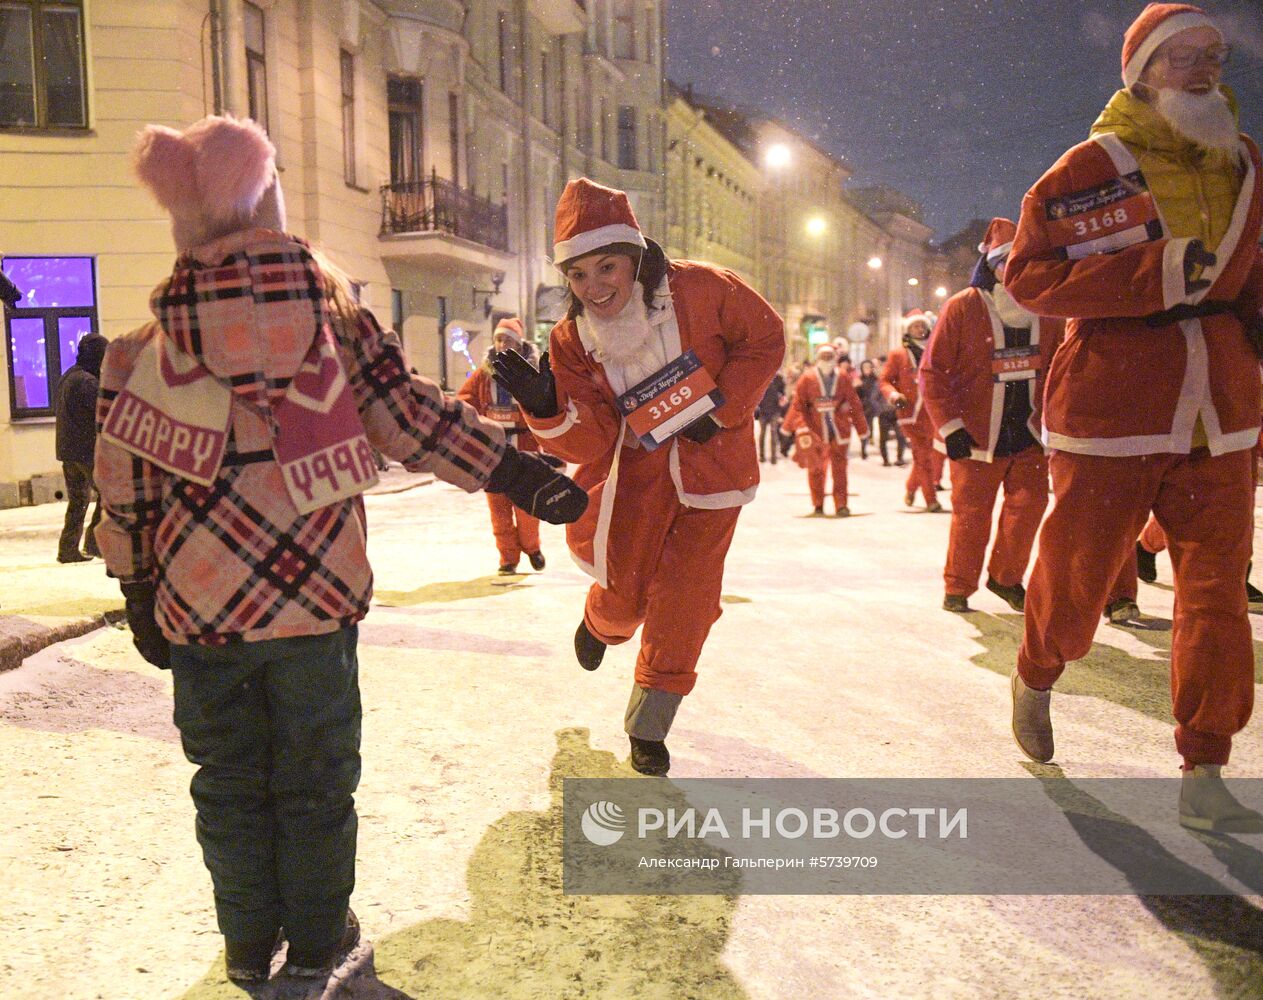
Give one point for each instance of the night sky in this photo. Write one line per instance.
(960, 103)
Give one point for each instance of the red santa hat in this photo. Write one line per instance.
(1156, 23)
(511, 326)
(998, 240)
(216, 177)
(915, 316)
(591, 216)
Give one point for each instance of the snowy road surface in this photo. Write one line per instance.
(832, 659)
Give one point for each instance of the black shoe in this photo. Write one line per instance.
(886, 462)
(74, 558)
(1146, 564)
(650, 756)
(251, 961)
(1252, 593)
(589, 650)
(1014, 596)
(320, 962)
(537, 560)
(508, 569)
(956, 603)
(817, 512)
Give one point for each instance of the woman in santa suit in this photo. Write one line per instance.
(515, 531)
(650, 386)
(824, 408)
(900, 387)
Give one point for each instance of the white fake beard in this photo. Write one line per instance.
(1206, 119)
(622, 338)
(1011, 314)
(827, 367)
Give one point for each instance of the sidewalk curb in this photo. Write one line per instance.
(20, 637)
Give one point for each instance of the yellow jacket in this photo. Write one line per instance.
(1196, 188)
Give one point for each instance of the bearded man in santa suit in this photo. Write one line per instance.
(663, 511)
(824, 409)
(982, 381)
(1146, 237)
(900, 387)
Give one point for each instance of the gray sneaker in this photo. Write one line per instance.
(1206, 804)
(1032, 727)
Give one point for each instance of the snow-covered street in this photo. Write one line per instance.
(832, 659)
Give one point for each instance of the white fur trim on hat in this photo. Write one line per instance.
(594, 239)
(995, 253)
(1169, 28)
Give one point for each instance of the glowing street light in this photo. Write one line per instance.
(940, 292)
(874, 263)
(816, 226)
(778, 156)
(914, 282)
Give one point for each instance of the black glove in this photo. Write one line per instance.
(535, 391)
(899, 401)
(1196, 259)
(146, 636)
(959, 444)
(535, 487)
(552, 460)
(701, 430)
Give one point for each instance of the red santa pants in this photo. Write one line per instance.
(1204, 504)
(516, 531)
(820, 461)
(921, 475)
(937, 461)
(1024, 477)
(665, 567)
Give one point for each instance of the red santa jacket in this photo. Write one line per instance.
(740, 341)
(899, 375)
(479, 391)
(968, 366)
(810, 404)
(1119, 385)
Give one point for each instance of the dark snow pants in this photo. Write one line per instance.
(274, 727)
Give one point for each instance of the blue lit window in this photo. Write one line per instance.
(56, 311)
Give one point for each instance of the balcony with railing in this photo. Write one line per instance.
(438, 206)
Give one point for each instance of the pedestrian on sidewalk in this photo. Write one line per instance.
(516, 532)
(769, 411)
(868, 388)
(76, 448)
(825, 407)
(1152, 400)
(888, 424)
(664, 508)
(982, 379)
(899, 384)
(236, 442)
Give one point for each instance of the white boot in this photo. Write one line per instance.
(1206, 804)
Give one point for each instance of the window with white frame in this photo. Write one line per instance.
(42, 65)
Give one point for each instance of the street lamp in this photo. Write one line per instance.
(816, 226)
(914, 282)
(778, 156)
(874, 263)
(940, 292)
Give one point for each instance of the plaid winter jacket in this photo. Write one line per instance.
(235, 560)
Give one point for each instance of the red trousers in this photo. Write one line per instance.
(512, 539)
(1024, 477)
(819, 462)
(1204, 505)
(665, 569)
(937, 461)
(921, 475)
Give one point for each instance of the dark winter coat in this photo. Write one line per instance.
(869, 391)
(76, 402)
(769, 407)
